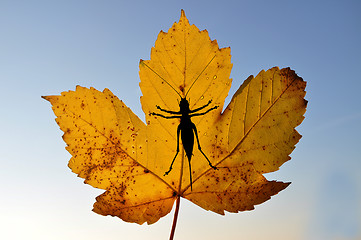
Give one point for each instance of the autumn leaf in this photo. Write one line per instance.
(112, 149)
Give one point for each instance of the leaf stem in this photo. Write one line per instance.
(175, 218)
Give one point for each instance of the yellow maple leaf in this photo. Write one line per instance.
(112, 149)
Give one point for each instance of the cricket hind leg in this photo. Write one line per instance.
(171, 165)
(200, 149)
(210, 164)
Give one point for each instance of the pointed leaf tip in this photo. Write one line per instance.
(182, 13)
(46, 98)
(183, 17)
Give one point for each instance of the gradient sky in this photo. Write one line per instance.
(47, 47)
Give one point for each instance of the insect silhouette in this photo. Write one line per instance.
(186, 128)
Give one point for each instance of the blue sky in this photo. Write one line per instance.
(47, 47)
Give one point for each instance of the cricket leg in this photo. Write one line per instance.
(200, 108)
(200, 149)
(167, 111)
(203, 113)
(167, 117)
(171, 165)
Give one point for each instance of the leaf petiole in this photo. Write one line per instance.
(175, 218)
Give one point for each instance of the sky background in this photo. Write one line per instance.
(47, 47)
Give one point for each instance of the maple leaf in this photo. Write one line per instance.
(112, 149)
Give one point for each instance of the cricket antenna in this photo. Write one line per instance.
(142, 62)
(199, 75)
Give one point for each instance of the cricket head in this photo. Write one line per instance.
(184, 105)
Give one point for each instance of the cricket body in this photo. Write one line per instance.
(187, 130)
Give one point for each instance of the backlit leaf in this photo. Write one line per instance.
(112, 149)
